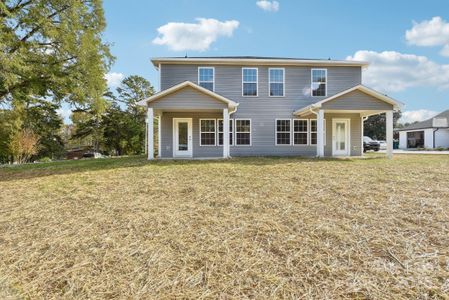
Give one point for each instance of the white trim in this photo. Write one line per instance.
(389, 133)
(257, 61)
(396, 104)
(324, 132)
(215, 131)
(160, 77)
(161, 94)
(276, 132)
(257, 81)
(250, 132)
(213, 77)
(348, 136)
(150, 125)
(308, 133)
(159, 135)
(283, 82)
(189, 152)
(231, 121)
(311, 81)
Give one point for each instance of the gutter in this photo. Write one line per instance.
(434, 137)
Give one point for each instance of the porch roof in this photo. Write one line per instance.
(360, 88)
(188, 84)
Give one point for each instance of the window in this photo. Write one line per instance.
(276, 81)
(415, 139)
(313, 132)
(206, 77)
(220, 131)
(249, 82)
(319, 82)
(301, 132)
(207, 132)
(243, 132)
(283, 132)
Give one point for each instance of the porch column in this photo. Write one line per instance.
(320, 134)
(159, 144)
(389, 133)
(150, 122)
(225, 133)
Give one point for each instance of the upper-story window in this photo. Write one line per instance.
(249, 82)
(206, 77)
(276, 81)
(319, 82)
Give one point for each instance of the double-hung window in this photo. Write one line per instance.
(206, 77)
(283, 129)
(300, 132)
(207, 132)
(243, 132)
(319, 82)
(313, 132)
(276, 82)
(220, 131)
(249, 82)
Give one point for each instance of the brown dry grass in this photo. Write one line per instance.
(245, 228)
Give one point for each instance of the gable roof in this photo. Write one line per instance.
(396, 104)
(256, 60)
(182, 85)
(429, 123)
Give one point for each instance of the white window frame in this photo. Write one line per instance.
(213, 77)
(250, 132)
(310, 132)
(270, 82)
(257, 82)
(307, 132)
(230, 131)
(276, 132)
(311, 81)
(215, 132)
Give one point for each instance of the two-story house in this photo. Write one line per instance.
(259, 106)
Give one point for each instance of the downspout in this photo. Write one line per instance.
(233, 134)
(434, 137)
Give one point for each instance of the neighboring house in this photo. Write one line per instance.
(431, 133)
(256, 106)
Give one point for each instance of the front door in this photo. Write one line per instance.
(340, 137)
(182, 137)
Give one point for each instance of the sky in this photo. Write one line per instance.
(406, 42)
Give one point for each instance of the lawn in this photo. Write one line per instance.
(244, 228)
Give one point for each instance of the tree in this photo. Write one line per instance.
(375, 126)
(53, 48)
(23, 145)
(132, 90)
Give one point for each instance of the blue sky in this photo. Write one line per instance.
(410, 67)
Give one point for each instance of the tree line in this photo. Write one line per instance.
(52, 52)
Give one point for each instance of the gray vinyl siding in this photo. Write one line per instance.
(198, 151)
(188, 98)
(357, 100)
(262, 110)
(355, 132)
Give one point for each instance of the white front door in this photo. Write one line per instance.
(182, 137)
(340, 137)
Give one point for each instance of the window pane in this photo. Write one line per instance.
(207, 125)
(207, 85)
(206, 74)
(300, 138)
(312, 125)
(276, 89)
(283, 138)
(318, 89)
(283, 125)
(276, 75)
(318, 76)
(249, 89)
(243, 125)
(313, 138)
(207, 132)
(300, 125)
(208, 138)
(250, 75)
(243, 129)
(243, 139)
(220, 132)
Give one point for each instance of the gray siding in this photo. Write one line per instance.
(355, 133)
(262, 110)
(188, 98)
(357, 100)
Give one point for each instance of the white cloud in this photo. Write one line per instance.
(391, 71)
(194, 36)
(268, 5)
(416, 115)
(434, 32)
(114, 79)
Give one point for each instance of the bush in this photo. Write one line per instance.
(45, 159)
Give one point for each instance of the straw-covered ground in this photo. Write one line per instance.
(245, 228)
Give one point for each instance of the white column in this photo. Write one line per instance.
(225, 133)
(159, 144)
(150, 118)
(389, 133)
(320, 134)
